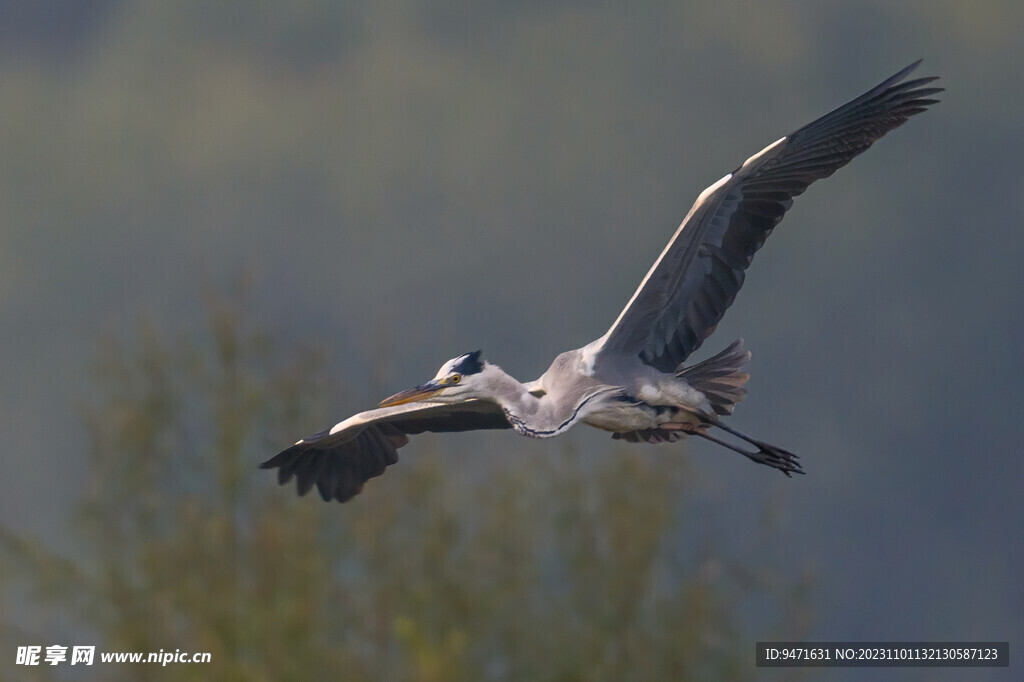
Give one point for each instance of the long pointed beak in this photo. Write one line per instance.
(421, 392)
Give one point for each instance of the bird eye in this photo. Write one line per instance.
(456, 379)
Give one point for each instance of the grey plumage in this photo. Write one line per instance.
(721, 378)
(698, 275)
(631, 381)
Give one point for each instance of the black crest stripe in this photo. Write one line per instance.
(470, 363)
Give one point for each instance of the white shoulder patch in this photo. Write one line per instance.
(342, 425)
(712, 189)
(756, 157)
(589, 353)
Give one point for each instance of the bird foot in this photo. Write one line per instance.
(775, 457)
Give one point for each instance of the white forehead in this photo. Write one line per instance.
(449, 367)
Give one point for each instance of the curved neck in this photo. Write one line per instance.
(511, 394)
(538, 417)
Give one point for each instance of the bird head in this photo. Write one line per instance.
(455, 382)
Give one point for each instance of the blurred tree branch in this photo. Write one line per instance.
(537, 568)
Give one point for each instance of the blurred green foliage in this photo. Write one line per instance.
(539, 569)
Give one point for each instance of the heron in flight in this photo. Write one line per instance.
(633, 380)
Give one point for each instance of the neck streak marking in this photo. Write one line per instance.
(520, 426)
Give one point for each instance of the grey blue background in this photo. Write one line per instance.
(409, 181)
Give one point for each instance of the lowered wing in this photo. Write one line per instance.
(695, 280)
(340, 460)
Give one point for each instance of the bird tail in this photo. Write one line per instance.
(721, 378)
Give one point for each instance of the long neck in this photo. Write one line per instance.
(511, 394)
(540, 417)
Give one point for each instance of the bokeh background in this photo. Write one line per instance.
(225, 225)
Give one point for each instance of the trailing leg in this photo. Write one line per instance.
(766, 453)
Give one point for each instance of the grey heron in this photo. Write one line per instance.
(632, 381)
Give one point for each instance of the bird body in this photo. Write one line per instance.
(628, 396)
(633, 380)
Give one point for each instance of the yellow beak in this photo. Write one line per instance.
(412, 395)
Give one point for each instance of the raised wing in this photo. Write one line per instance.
(340, 460)
(695, 280)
